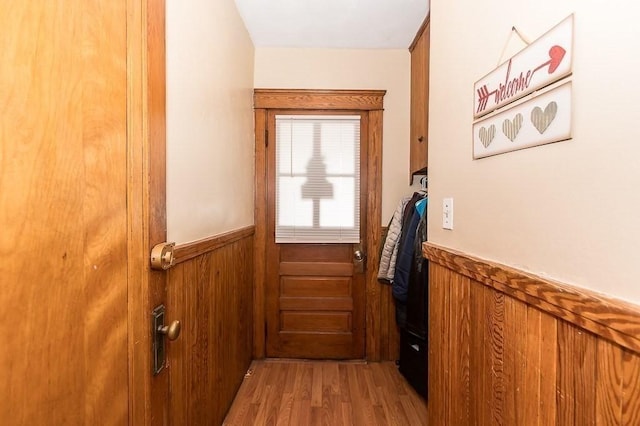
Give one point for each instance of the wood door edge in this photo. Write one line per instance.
(146, 200)
(260, 243)
(374, 313)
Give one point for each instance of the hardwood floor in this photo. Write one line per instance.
(329, 393)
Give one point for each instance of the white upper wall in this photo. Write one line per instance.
(353, 24)
(210, 138)
(292, 68)
(569, 210)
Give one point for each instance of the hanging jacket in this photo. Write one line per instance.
(408, 286)
(389, 253)
(417, 306)
(405, 258)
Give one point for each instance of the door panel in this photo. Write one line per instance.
(314, 294)
(63, 118)
(315, 286)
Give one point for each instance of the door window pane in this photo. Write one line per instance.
(317, 179)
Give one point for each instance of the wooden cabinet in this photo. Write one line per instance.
(419, 100)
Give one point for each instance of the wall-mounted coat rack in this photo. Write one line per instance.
(421, 172)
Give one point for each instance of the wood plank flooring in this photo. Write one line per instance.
(328, 393)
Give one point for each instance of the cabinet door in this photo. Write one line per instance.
(419, 102)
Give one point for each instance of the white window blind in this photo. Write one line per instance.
(317, 179)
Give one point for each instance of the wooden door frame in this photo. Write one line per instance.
(369, 102)
(146, 203)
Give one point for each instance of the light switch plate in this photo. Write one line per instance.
(447, 213)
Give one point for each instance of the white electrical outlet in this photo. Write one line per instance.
(447, 213)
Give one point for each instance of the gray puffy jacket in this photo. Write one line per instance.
(389, 252)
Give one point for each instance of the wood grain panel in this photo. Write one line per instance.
(362, 100)
(494, 304)
(314, 287)
(184, 252)
(525, 365)
(325, 321)
(419, 126)
(146, 199)
(316, 268)
(308, 345)
(478, 407)
(541, 366)
(63, 188)
(609, 383)
(212, 294)
(630, 388)
(439, 384)
(458, 340)
(316, 303)
(609, 318)
(515, 366)
(315, 253)
(576, 376)
(260, 236)
(373, 212)
(104, 118)
(389, 336)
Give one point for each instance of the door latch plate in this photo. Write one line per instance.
(159, 349)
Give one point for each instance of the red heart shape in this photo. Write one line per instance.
(556, 53)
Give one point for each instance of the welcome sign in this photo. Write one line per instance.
(537, 121)
(546, 60)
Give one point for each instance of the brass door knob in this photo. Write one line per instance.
(172, 331)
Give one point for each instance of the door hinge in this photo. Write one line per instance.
(266, 137)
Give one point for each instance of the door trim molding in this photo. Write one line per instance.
(369, 102)
(146, 202)
(357, 100)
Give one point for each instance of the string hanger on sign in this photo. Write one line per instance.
(523, 38)
(514, 30)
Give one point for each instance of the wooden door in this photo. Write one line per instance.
(76, 209)
(315, 292)
(63, 209)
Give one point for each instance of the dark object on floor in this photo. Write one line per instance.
(413, 360)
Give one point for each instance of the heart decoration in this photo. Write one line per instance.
(510, 128)
(556, 53)
(541, 120)
(487, 135)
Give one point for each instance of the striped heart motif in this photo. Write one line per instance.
(487, 135)
(541, 120)
(510, 128)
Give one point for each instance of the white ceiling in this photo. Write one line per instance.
(360, 24)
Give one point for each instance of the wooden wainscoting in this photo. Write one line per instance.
(389, 336)
(507, 347)
(211, 291)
